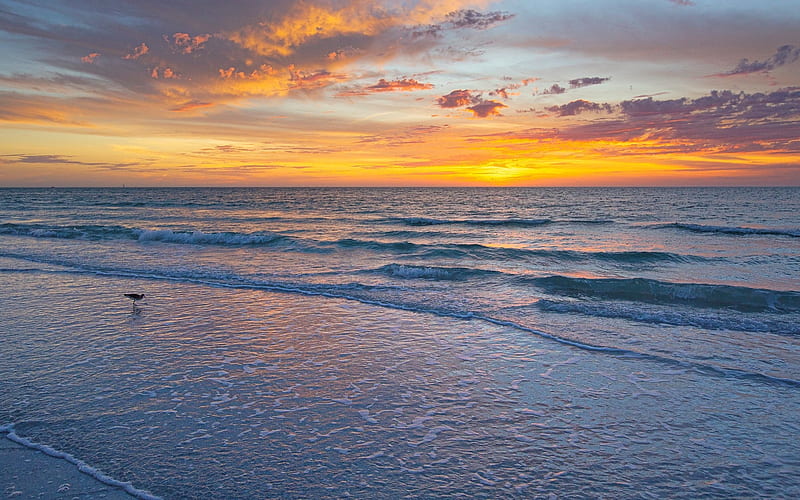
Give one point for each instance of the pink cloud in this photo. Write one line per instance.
(89, 59)
(163, 73)
(138, 52)
(187, 44)
(505, 93)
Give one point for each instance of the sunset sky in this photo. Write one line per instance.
(401, 92)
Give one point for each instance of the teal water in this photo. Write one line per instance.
(387, 343)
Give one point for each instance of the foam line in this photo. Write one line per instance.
(80, 464)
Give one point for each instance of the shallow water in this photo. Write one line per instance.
(421, 343)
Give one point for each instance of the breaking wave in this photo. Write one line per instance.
(97, 232)
(201, 238)
(712, 320)
(424, 221)
(731, 230)
(433, 273)
(704, 295)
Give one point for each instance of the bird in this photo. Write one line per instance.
(134, 297)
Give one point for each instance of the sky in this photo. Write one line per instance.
(399, 93)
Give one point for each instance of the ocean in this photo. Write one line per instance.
(407, 343)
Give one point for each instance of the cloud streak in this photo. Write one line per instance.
(55, 159)
(383, 85)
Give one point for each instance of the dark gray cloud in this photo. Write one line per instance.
(723, 104)
(479, 107)
(579, 106)
(457, 99)
(555, 89)
(720, 121)
(485, 109)
(462, 19)
(784, 55)
(468, 18)
(587, 81)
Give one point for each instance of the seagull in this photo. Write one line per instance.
(134, 297)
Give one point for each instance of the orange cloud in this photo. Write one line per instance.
(138, 52)
(260, 73)
(305, 22)
(302, 23)
(268, 81)
(300, 79)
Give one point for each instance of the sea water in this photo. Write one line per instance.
(390, 343)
